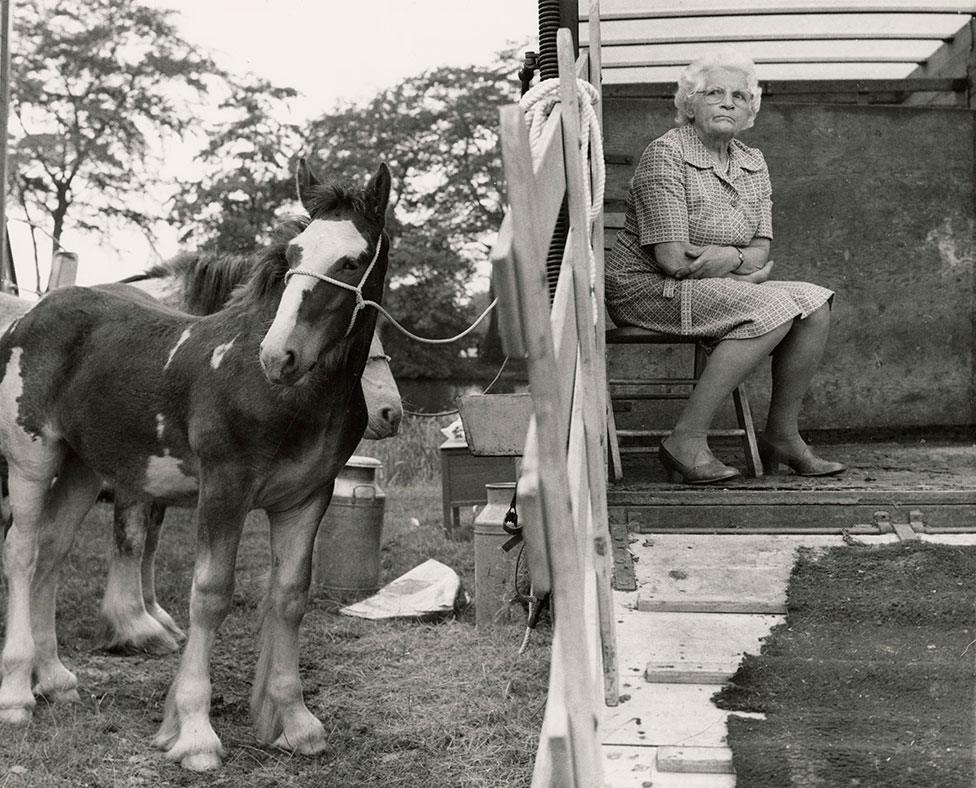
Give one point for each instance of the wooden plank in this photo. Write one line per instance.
(657, 715)
(765, 72)
(736, 28)
(64, 270)
(695, 760)
(720, 638)
(589, 402)
(530, 509)
(572, 686)
(665, 90)
(531, 229)
(662, 9)
(790, 518)
(689, 672)
(752, 605)
(623, 564)
(553, 766)
(549, 181)
(796, 491)
(564, 332)
(905, 532)
(503, 282)
(790, 51)
(630, 37)
(582, 68)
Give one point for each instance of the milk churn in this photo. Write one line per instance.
(347, 548)
(494, 569)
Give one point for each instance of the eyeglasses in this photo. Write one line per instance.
(741, 98)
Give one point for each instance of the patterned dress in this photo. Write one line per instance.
(679, 194)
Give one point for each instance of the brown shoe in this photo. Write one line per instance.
(804, 464)
(706, 473)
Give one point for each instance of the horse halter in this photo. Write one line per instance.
(361, 303)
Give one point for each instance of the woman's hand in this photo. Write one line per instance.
(708, 262)
(756, 277)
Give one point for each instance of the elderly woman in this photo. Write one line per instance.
(693, 259)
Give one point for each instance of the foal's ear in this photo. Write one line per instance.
(305, 179)
(378, 191)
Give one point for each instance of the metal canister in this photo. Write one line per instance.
(494, 569)
(347, 548)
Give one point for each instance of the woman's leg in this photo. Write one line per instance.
(795, 360)
(728, 365)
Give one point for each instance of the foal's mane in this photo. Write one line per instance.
(268, 265)
(207, 279)
(324, 198)
(212, 280)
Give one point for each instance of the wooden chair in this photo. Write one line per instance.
(652, 389)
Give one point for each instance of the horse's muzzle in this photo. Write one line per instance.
(282, 368)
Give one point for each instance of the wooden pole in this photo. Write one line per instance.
(6, 263)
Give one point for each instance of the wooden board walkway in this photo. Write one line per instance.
(673, 655)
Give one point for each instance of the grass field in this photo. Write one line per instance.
(404, 703)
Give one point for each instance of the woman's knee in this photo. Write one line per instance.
(818, 320)
(779, 333)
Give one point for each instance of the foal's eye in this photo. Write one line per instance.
(350, 264)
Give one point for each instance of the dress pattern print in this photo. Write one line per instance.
(679, 194)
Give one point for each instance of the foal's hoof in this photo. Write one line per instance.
(153, 639)
(60, 696)
(16, 715)
(307, 739)
(201, 762)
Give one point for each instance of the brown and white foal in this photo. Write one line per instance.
(256, 406)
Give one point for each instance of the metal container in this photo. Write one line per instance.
(494, 569)
(347, 548)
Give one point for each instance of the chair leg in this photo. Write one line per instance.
(744, 416)
(616, 468)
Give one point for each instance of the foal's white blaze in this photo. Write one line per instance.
(166, 479)
(218, 354)
(322, 243)
(183, 337)
(160, 425)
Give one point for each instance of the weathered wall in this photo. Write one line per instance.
(877, 204)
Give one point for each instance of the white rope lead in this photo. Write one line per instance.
(429, 340)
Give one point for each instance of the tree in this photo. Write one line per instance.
(248, 176)
(438, 132)
(96, 83)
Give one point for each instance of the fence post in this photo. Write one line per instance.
(64, 270)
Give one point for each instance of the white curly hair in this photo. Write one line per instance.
(692, 79)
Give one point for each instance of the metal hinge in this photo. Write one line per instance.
(904, 531)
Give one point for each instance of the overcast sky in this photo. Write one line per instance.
(327, 50)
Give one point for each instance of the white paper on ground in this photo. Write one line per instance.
(428, 589)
